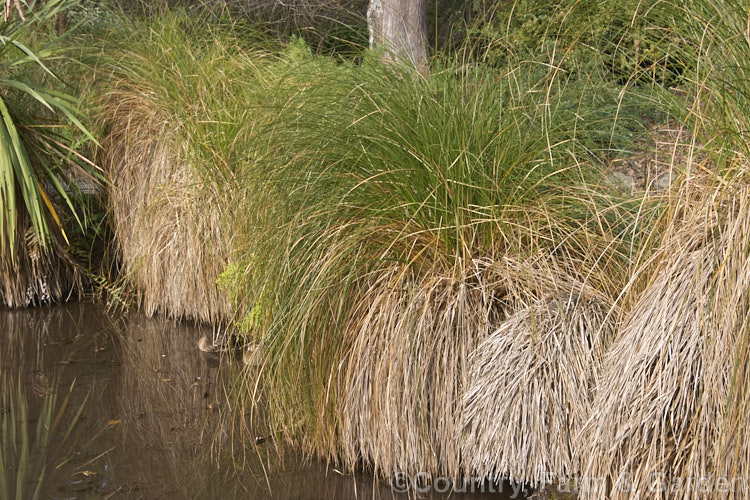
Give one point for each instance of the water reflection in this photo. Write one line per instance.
(152, 415)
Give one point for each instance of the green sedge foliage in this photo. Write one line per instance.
(30, 148)
(453, 159)
(713, 42)
(206, 79)
(433, 154)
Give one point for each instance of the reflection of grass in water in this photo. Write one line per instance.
(24, 451)
(171, 397)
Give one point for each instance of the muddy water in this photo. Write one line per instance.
(141, 413)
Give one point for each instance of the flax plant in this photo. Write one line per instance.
(40, 168)
(25, 449)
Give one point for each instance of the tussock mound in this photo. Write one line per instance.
(531, 386)
(173, 147)
(406, 367)
(167, 225)
(669, 409)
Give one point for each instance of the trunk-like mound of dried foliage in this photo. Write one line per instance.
(670, 418)
(167, 222)
(531, 381)
(405, 367)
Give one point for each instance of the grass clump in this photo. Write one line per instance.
(661, 407)
(398, 245)
(175, 110)
(399, 202)
(671, 402)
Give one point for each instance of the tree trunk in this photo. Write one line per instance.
(401, 27)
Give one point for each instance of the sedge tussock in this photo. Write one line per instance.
(531, 384)
(176, 144)
(663, 408)
(400, 244)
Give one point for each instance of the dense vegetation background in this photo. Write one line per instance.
(551, 223)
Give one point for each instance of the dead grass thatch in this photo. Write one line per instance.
(35, 275)
(167, 223)
(414, 398)
(531, 383)
(405, 368)
(668, 409)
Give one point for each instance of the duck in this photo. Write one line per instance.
(210, 347)
(252, 353)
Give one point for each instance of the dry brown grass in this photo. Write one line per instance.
(167, 222)
(532, 379)
(405, 368)
(669, 404)
(425, 385)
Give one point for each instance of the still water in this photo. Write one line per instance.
(140, 412)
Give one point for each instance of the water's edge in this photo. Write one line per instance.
(150, 415)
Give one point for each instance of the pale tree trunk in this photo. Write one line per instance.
(401, 27)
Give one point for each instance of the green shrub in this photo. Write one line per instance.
(620, 39)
